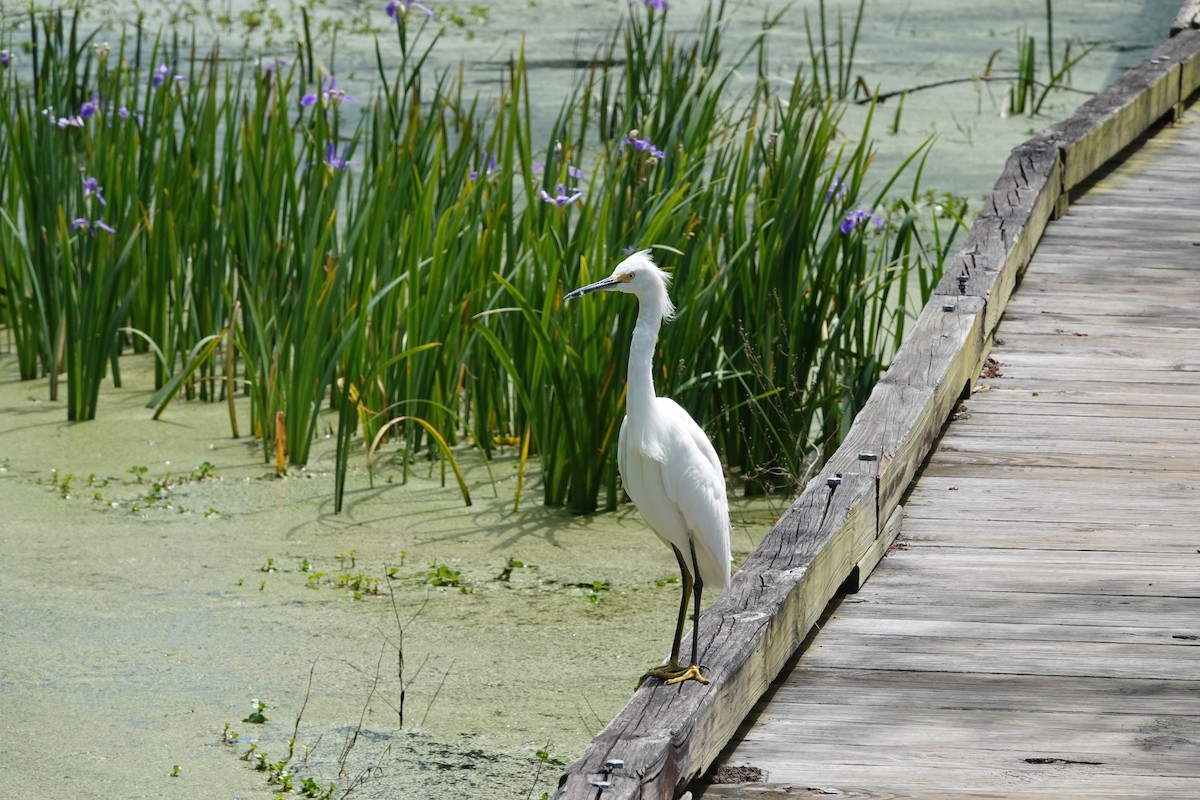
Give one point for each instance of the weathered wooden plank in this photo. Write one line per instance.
(892, 622)
(1085, 564)
(1052, 505)
(1088, 660)
(1017, 389)
(854, 789)
(1187, 17)
(1143, 582)
(999, 736)
(1138, 343)
(935, 530)
(1036, 428)
(1171, 456)
(848, 685)
(1172, 309)
(1075, 409)
(1099, 471)
(822, 768)
(1065, 609)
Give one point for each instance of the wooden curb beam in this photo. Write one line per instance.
(1188, 17)
(841, 524)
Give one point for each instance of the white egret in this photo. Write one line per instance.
(668, 466)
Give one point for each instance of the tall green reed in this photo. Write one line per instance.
(395, 277)
(1027, 95)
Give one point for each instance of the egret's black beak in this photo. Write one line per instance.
(598, 286)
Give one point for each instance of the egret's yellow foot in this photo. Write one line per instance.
(689, 673)
(663, 673)
(673, 673)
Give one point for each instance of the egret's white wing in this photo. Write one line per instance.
(677, 484)
(695, 483)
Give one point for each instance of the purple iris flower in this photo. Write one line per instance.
(642, 145)
(331, 94)
(836, 189)
(82, 222)
(271, 66)
(5, 58)
(161, 73)
(661, 5)
(857, 217)
(397, 7)
(489, 166)
(69, 122)
(91, 188)
(90, 107)
(562, 198)
(333, 162)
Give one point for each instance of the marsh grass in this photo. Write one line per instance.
(390, 272)
(1027, 94)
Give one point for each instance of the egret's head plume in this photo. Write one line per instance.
(639, 276)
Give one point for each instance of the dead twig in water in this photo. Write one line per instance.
(436, 693)
(881, 97)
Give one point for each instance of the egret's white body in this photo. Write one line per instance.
(668, 466)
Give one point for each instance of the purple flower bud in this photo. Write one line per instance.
(395, 8)
(642, 145)
(836, 189)
(489, 166)
(89, 226)
(856, 218)
(90, 107)
(91, 188)
(333, 162)
(562, 198)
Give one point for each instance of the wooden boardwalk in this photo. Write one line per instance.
(1035, 631)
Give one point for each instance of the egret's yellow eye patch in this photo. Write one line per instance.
(625, 277)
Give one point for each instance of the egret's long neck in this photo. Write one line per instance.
(639, 394)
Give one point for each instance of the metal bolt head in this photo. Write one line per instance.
(602, 784)
(947, 306)
(832, 482)
(867, 457)
(614, 763)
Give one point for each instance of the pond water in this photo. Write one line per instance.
(158, 578)
(902, 44)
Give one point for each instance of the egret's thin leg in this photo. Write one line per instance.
(672, 669)
(692, 672)
(698, 588)
(686, 580)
